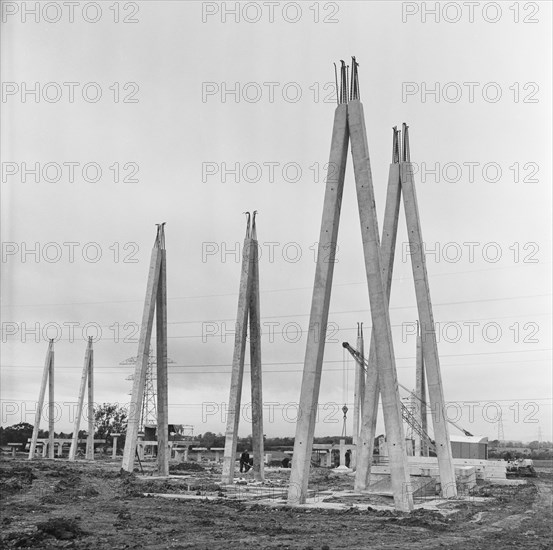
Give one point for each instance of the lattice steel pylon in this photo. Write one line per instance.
(410, 405)
(148, 415)
(500, 431)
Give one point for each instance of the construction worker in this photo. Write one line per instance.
(348, 458)
(244, 461)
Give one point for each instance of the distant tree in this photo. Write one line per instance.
(110, 418)
(534, 444)
(18, 433)
(209, 440)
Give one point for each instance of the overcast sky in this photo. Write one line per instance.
(189, 94)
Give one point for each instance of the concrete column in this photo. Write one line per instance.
(421, 445)
(342, 452)
(80, 401)
(162, 378)
(114, 448)
(372, 391)
(185, 454)
(255, 364)
(320, 303)
(45, 446)
(51, 408)
(137, 395)
(380, 315)
(90, 438)
(429, 344)
(359, 393)
(40, 404)
(60, 449)
(237, 375)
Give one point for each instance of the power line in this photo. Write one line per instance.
(171, 367)
(397, 278)
(491, 399)
(272, 333)
(366, 310)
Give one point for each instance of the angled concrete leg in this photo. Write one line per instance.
(421, 445)
(162, 380)
(387, 250)
(255, 363)
(358, 395)
(137, 395)
(40, 403)
(51, 407)
(309, 396)
(90, 435)
(237, 375)
(429, 344)
(391, 403)
(80, 401)
(365, 445)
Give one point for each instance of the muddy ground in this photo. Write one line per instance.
(55, 504)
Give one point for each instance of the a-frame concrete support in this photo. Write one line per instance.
(248, 307)
(156, 299)
(426, 318)
(47, 380)
(401, 182)
(87, 375)
(349, 125)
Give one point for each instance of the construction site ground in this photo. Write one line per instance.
(57, 504)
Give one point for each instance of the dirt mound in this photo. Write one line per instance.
(429, 519)
(185, 467)
(61, 528)
(64, 529)
(15, 480)
(129, 485)
(67, 484)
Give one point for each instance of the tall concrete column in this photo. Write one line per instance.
(320, 303)
(378, 297)
(426, 318)
(237, 375)
(51, 407)
(359, 393)
(137, 395)
(255, 363)
(80, 402)
(162, 378)
(372, 391)
(421, 445)
(90, 437)
(40, 403)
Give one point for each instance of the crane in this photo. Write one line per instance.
(406, 413)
